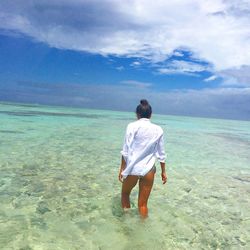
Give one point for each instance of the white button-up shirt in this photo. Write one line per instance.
(143, 143)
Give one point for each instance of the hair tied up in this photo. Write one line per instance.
(144, 109)
(144, 102)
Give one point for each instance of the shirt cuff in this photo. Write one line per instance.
(161, 158)
(125, 154)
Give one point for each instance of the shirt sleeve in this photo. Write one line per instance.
(160, 152)
(124, 151)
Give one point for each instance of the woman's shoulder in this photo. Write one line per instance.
(157, 127)
(131, 125)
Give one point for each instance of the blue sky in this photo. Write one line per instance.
(187, 58)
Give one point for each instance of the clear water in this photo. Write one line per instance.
(59, 186)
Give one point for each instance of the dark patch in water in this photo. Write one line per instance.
(232, 138)
(42, 207)
(42, 113)
(187, 189)
(243, 179)
(160, 124)
(116, 208)
(20, 104)
(26, 248)
(39, 222)
(11, 132)
(84, 225)
(15, 113)
(123, 119)
(28, 121)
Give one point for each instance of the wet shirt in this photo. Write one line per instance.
(143, 144)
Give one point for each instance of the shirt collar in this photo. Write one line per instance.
(144, 119)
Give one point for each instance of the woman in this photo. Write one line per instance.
(143, 143)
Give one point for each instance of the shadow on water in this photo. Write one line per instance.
(117, 210)
(20, 104)
(42, 113)
(232, 138)
(11, 132)
(138, 233)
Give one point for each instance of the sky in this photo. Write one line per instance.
(187, 57)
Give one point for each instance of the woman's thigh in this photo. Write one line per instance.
(145, 186)
(129, 183)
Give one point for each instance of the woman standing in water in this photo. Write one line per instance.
(143, 143)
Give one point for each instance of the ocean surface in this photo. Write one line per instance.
(59, 187)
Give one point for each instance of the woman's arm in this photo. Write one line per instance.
(123, 165)
(163, 173)
(124, 153)
(161, 157)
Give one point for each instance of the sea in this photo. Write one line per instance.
(59, 185)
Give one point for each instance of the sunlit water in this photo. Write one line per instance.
(59, 186)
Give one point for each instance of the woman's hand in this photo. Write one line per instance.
(120, 176)
(123, 165)
(164, 177)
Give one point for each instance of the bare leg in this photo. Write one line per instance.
(145, 186)
(127, 186)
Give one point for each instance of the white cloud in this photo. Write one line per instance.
(236, 76)
(217, 31)
(136, 84)
(178, 53)
(183, 67)
(211, 78)
(120, 68)
(135, 64)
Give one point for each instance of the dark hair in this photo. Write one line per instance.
(144, 110)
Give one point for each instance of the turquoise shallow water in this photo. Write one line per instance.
(59, 187)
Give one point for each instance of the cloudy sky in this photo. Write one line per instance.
(188, 57)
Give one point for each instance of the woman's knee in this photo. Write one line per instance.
(143, 211)
(142, 203)
(125, 193)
